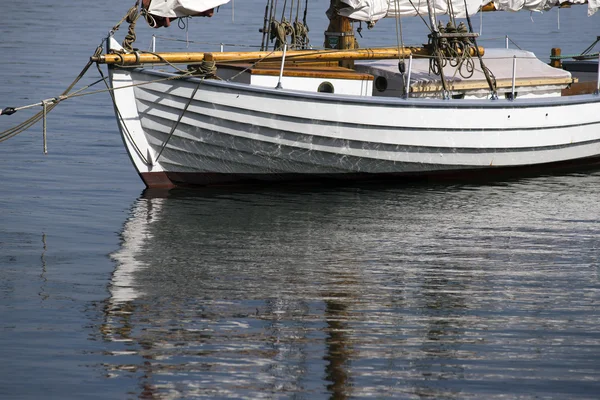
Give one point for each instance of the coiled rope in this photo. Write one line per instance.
(279, 32)
(206, 69)
(132, 16)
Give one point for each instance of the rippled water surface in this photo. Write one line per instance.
(449, 291)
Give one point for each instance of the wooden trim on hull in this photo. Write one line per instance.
(168, 180)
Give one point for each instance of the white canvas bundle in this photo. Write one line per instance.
(374, 10)
(593, 6)
(365, 10)
(537, 5)
(182, 8)
(440, 7)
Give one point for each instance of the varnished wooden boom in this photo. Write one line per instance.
(252, 56)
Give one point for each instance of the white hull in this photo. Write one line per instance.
(236, 132)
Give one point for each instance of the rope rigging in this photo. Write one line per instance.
(278, 31)
(453, 45)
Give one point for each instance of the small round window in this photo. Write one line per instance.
(381, 83)
(325, 87)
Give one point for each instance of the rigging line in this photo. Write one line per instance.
(264, 28)
(53, 100)
(590, 47)
(33, 120)
(420, 16)
(187, 74)
(11, 132)
(131, 11)
(283, 11)
(121, 119)
(489, 77)
(165, 61)
(250, 67)
(305, 12)
(177, 123)
(199, 42)
(451, 16)
(271, 19)
(398, 34)
(480, 19)
(23, 126)
(400, 42)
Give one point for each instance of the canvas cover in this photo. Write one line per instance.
(542, 5)
(374, 10)
(182, 8)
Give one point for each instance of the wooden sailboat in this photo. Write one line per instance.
(349, 113)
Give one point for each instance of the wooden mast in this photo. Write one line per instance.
(340, 33)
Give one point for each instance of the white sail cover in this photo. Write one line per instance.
(182, 8)
(542, 5)
(374, 10)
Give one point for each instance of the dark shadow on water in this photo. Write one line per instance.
(450, 181)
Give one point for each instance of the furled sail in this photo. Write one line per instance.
(541, 5)
(182, 8)
(373, 10)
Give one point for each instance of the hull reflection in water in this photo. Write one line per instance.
(445, 292)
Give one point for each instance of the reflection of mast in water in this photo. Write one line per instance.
(42, 292)
(339, 349)
(444, 305)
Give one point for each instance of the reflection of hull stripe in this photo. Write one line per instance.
(171, 179)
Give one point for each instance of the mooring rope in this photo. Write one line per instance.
(53, 102)
(48, 105)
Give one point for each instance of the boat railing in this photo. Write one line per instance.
(220, 45)
(507, 41)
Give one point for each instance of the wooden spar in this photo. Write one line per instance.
(148, 58)
(253, 56)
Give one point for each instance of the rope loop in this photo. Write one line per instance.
(206, 69)
(279, 32)
(132, 17)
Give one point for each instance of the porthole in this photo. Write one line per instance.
(325, 87)
(381, 84)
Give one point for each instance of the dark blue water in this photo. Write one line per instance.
(432, 291)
